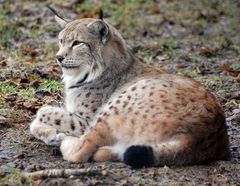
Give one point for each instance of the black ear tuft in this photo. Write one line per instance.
(54, 11)
(100, 14)
(62, 22)
(139, 156)
(99, 29)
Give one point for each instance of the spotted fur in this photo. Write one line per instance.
(117, 108)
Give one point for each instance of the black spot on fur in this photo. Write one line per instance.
(72, 125)
(139, 156)
(58, 122)
(88, 94)
(80, 123)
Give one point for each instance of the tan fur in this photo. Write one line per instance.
(104, 154)
(113, 101)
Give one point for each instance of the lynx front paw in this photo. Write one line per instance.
(55, 141)
(71, 149)
(46, 133)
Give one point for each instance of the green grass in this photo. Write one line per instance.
(27, 93)
(7, 89)
(7, 31)
(8, 27)
(14, 177)
(50, 85)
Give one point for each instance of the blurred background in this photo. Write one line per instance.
(199, 39)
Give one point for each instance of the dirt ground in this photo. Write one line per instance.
(199, 39)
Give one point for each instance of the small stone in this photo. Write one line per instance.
(3, 120)
(104, 172)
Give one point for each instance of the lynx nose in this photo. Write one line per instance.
(60, 59)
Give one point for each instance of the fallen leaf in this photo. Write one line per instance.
(225, 68)
(205, 51)
(35, 83)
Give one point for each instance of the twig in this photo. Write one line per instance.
(62, 173)
(3, 135)
(4, 60)
(2, 149)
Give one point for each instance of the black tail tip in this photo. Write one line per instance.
(138, 156)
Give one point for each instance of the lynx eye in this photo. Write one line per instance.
(75, 43)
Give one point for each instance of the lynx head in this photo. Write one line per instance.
(88, 47)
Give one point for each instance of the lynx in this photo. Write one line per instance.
(119, 109)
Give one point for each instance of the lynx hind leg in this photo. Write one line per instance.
(53, 123)
(70, 144)
(105, 153)
(82, 149)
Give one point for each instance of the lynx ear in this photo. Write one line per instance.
(99, 29)
(60, 21)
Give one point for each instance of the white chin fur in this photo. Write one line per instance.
(72, 76)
